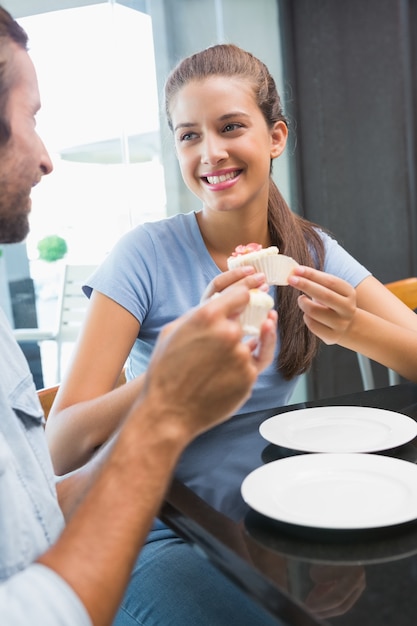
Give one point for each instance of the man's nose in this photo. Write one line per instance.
(46, 165)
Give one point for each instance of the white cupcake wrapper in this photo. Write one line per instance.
(253, 317)
(252, 331)
(252, 321)
(276, 268)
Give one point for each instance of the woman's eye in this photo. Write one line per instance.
(230, 127)
(188, 136)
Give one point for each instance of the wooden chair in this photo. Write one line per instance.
(47, 394)
(406, 290)
(46, 397)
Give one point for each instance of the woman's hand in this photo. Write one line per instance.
(245, 275)
(328, 303)
(336, 589)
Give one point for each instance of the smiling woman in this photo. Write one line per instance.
(110, 166)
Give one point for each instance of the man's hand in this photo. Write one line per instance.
(199, 373)
(200, 367)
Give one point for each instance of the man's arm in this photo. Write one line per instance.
(199, 374)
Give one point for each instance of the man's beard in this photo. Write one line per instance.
(14, 229)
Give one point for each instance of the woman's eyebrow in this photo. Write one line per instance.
(185, 125)
(222, 118)
(227, 116)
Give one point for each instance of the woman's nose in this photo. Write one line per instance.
(214, 150)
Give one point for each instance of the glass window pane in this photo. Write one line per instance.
(100, 123)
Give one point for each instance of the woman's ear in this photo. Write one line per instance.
(279, 134)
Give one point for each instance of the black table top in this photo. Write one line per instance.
(307, 576)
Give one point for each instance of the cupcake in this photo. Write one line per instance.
(256, 311)
(276, 267)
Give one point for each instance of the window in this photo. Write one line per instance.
(100, 123)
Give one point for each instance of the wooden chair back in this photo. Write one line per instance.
(47, 394)
(406, 290)
(46, 397)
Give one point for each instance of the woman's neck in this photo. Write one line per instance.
(221, 236)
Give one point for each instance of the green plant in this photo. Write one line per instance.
(52, 248)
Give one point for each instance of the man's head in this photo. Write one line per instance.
(23, 157)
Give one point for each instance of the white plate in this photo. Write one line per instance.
(335, 491)
(339, 429)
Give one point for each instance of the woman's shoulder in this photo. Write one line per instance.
(180, 224)
(325, 235)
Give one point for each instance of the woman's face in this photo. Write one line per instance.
(223, 143)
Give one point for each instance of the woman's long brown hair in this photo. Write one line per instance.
(294, 236)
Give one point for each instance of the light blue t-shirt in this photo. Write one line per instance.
(158, 271)
(30, 517)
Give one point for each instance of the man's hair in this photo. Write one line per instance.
(10, 31)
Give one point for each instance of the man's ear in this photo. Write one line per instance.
(279, 135)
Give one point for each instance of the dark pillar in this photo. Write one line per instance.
(352, 71)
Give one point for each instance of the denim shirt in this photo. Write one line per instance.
(30, 517)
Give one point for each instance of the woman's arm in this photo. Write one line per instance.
(87, 408)
(369, 320)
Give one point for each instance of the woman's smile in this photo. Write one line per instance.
(221, 180)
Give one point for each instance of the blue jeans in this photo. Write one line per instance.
(173, 585)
